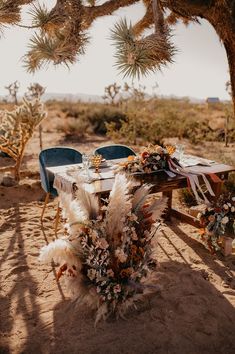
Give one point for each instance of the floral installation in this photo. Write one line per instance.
(153, 158)
(107, 254)
(216, 221)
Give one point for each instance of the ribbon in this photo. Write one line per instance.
(193, 181)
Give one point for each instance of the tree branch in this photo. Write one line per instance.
(146, 21)
(92, 12)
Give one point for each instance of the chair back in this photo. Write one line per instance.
(56, 156)
(115, 151)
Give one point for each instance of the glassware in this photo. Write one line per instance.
(96, 161)
(86, 163)
(179, 151)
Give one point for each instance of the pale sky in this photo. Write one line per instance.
(200, 68)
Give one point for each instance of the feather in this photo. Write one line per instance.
(119, 206)
(72, 212)
(140, 197)
(156, 208)
(60, 251)
(88, 202)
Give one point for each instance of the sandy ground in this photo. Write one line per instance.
(193, 312)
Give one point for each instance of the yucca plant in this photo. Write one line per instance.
(139, 57)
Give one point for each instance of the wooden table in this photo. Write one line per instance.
(161, 183)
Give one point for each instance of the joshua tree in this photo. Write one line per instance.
(111, 92)
(13, 91)
(62, 30)
(17, 128)
(35, 90)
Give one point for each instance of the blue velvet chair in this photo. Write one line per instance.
(115, 151)
(56, 156)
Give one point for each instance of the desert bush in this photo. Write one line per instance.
(104, 115)
(186, 197)
(146, 120)
(91, 117)
(75, 128)
(229, 185)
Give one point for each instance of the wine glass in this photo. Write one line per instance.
(96, 161)
(85, 162)
(180, 151)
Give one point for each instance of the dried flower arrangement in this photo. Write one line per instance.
(152, 159)
(217, 221)
(108, 252)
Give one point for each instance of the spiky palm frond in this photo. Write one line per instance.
(40, 15)
(140, 57)
(9, 12)
(57, 49)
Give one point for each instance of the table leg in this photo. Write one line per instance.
(168, 195)
(217, 188)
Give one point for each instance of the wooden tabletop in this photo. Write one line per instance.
(160, 179)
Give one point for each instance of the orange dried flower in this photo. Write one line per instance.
(126, 272)
(170, 149)
(61, 270)
(133, 249)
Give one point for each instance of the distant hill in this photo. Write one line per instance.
(65, 96)
(72, 97)
(96, 98)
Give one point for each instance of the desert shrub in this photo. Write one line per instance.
(186, 197)
(74, 127)
(153, 119)
(156, 126)
(104, 115)
(229, 185)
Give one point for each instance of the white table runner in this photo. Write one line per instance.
(67, 176)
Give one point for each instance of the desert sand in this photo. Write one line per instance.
(192, 312)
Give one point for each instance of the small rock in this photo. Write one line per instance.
(8, 181)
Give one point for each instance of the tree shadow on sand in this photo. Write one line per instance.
(188, 315)
(220, 265)
(24, 193)
(20, 315)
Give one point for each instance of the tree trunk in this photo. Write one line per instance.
(220, 14)
(18, 164)
(40, 136)
(230, 50)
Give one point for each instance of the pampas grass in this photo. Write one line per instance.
(108, 254)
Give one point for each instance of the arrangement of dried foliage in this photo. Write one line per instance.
(217, 220)
(17, 128)
(62, 31)
(107, 256)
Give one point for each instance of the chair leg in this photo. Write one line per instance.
(57, 218)
(44, 206)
